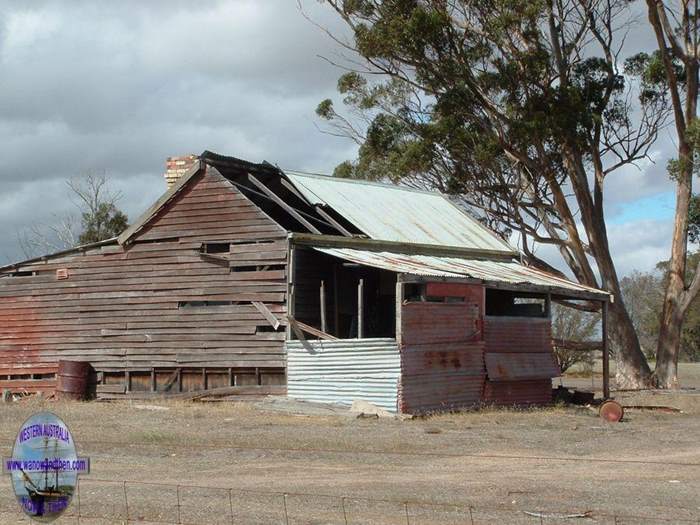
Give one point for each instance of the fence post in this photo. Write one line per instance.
(178, 504)
(126, 503)
(230, 503)
(286, 516)
(77, 486)
(345, 516)
(471, 517)
(405, 508)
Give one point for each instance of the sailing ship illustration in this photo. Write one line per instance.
(46, 494)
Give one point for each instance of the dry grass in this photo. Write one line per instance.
(499, 459)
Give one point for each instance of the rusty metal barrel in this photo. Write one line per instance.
(72, 379)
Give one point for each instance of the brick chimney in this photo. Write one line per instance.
(176, 167)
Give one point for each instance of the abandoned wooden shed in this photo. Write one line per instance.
(245, 277)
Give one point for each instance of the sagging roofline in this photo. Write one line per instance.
(67, 251)
(361, 243)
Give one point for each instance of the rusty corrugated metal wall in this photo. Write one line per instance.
(442, 363)
(519, 360)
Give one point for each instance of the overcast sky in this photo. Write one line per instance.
(119, 86)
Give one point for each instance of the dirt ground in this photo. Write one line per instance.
(490, 466)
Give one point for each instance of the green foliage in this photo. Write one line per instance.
(105, 222)
(427, 115)
(325, 109)
(694, 219)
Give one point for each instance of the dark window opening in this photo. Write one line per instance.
(216, 247)
(264, 329)
(267, 241)
(244, 268)
(414, 292)
(265, 268)
(507, 303)
(158, 241)
(199, 304)
(21, 274)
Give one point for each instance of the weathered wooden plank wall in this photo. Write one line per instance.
(127, 308)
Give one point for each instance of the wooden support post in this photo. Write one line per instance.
(291, 270)
(360, 308)
(153, 379)
(399, 307)
(230, 377)
(336, 302)
(179, 379)
(548, 306)
(127, 381)
(606, 355)
(204, 378)
(258, 377)
(322, 299)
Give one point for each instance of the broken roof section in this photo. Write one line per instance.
(497, 273)
(396, 213)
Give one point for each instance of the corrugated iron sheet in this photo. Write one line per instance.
(510, 272)
(530, 392)
(442, 357)
(517, 365)
(344, 370)
(518, 334)
(396, 213)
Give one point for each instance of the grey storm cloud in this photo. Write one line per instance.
(118, 86)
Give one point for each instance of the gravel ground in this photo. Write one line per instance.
(336, 469)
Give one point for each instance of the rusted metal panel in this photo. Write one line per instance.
(434, 394)
(518, 365)
(442, 357)
(396, 213)
(344, 370)
(522, 393)
(518, 334)
(519, 360)
(466, 358)
(489, 272)
(425, 322)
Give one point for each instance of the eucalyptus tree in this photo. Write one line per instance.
(674, 68)
(521, 109)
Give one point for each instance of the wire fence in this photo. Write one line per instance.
(109, 501)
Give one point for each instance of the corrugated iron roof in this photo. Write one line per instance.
(507, 272)
(397, 213)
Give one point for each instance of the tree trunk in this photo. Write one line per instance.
(632, 370)
(631, 367)
(677, 297)
(673, 312)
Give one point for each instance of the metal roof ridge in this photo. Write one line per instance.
(359, 243)
(364, 182)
